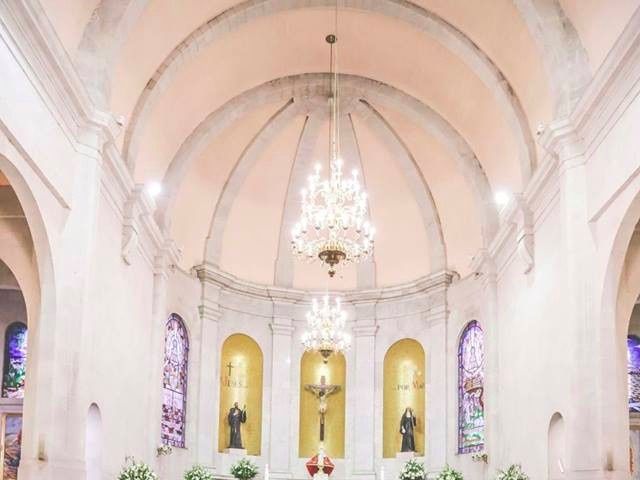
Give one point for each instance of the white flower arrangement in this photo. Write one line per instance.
(412, 470)
(449, 473)
(244, 469)
(514, 472)
(163, 449)
(198, 472)
(137, 471)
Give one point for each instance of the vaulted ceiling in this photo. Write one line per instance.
(225, 103)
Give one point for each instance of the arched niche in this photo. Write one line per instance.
(556, 448)
(93, 443)
(241, 381)
(312, 369)
(404, 386)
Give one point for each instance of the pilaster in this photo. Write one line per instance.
(485, 269)
(280, 442)
(585, 457)
(436, 401)
(206, 427)
(363, 438)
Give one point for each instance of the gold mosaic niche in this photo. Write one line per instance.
(404, 386)
(311, 369)
(241, 381)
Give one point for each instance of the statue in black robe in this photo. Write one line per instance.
(407, 425)
(235, 418)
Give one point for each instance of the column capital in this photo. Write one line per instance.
(437, 314)
(281, 328)
(563, 140)
(210, 311)
(365, 330)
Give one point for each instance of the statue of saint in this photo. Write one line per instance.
(407, 424)
(235, 418)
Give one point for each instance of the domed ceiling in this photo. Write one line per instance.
(225, 104)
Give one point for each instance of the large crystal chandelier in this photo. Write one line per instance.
(326, 333)
(333, 226)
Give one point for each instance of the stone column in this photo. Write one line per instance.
(208, 388)
(280, 444)
(363, 437)
(436, 319)
(489, 324)
(589, 450)
(208, 384)
(159, 316)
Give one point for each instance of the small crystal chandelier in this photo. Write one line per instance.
(326, 332)
(333, 226)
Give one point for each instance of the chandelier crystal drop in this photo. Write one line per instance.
(333, 226)
(326, 328)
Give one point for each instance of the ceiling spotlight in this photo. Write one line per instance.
(501, 198)
(154, 189)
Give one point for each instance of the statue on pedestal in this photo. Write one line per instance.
(407, 425)
(235, 418)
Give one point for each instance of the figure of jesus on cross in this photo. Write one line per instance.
(321, 391)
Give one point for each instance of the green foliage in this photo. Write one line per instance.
(244, 469)
(137, 471)
(198, 472)
(514, 472)
(14, 377)
(449, 473)
(412, 470)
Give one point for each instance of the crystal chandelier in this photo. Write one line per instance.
(333, 226)
(326, 333)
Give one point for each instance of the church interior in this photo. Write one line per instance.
(320, 239)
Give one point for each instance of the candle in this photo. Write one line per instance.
(266, 472)
(381, 472)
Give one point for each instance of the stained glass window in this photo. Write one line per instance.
(471, 389)
(15, 361)
(174, 402)
(633, 369)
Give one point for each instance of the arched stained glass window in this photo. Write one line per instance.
(633, 370)
(174, 402)
(471, 389)
(15, 361)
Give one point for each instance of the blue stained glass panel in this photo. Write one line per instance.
(15, 361)
(633, 370)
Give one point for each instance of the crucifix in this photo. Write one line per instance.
(321, 391)
(229, 366)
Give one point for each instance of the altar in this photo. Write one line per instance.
(387, 370)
